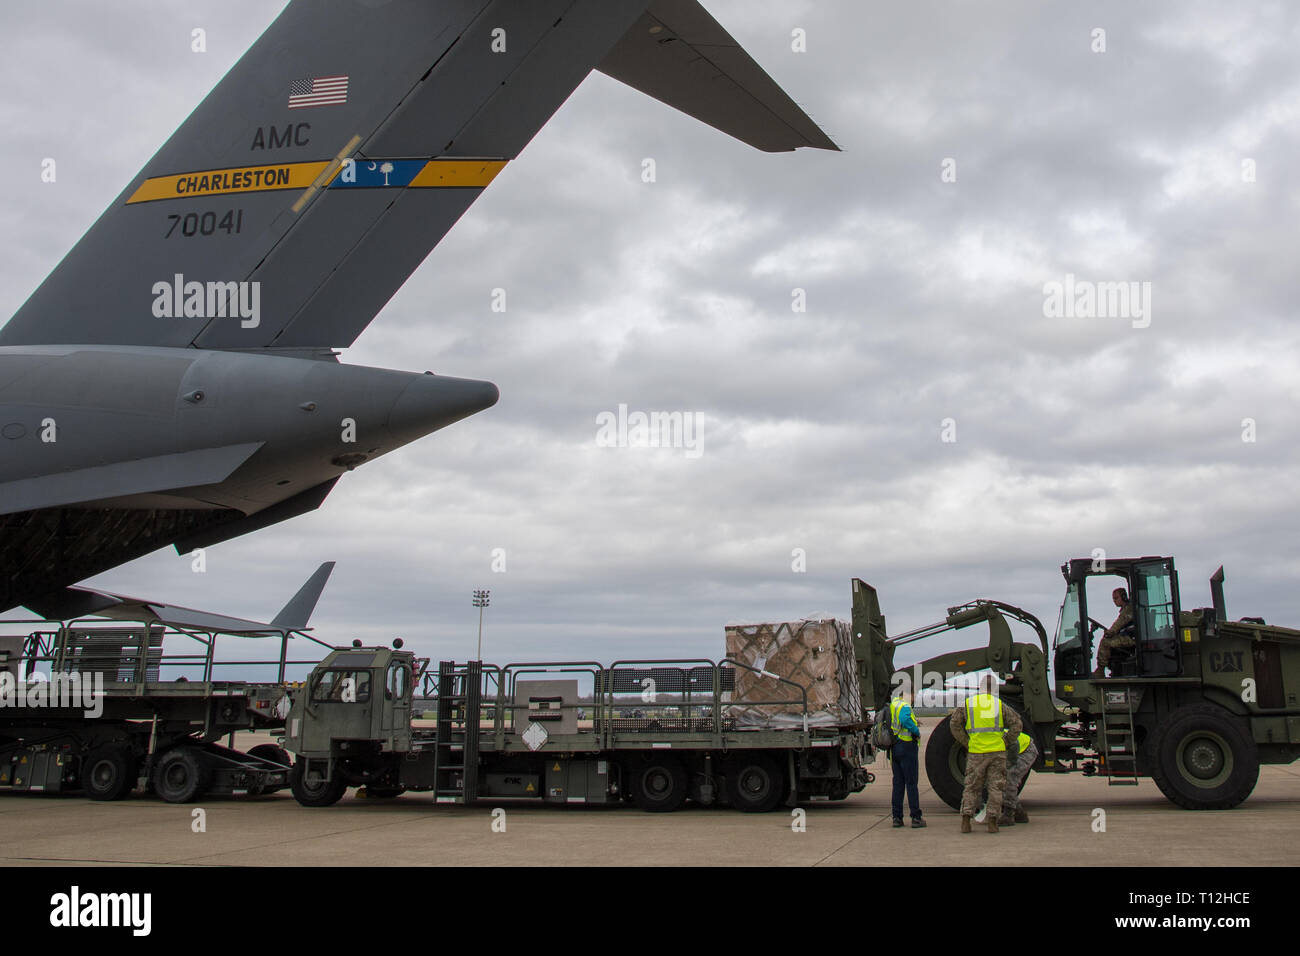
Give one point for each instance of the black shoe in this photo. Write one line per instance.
(917, 823)
(898, 821)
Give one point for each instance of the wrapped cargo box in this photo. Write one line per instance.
(817, 655)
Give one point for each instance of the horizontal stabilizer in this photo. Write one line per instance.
(204, 466)
(677, 53)
(77, 602)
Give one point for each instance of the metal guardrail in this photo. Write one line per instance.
(616, 690)
(134, 653)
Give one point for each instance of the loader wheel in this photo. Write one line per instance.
(755, 783)
(182, 775)
(1202, 758)
(108, 773)
(659, 784)
(945, 765)
(274, 754)
(313, 789)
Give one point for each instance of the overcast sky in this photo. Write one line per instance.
(821, 430)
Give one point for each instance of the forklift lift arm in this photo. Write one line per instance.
(1023, 664)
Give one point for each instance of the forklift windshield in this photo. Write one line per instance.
(1072, 652)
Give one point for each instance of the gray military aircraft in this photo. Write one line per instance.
(207, 401)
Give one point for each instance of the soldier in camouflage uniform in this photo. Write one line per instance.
(1115, 638)
(985, 768)
(1012, 811)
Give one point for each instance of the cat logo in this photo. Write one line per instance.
(530, 788)
(1226, 662)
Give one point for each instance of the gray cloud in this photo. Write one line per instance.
(821, 429)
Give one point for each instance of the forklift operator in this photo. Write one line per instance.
(1119, 635)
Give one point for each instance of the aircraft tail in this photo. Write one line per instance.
(295, 615)
(318, 174)
(677, 53)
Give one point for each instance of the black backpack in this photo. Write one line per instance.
(882, 731)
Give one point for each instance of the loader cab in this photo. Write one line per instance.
(1086, 612)
(356, 694)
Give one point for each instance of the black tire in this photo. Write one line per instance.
(182, 775)
(945, 761)
(313, 790)
(945, 765)
(659, 784)
(1203, 758)
(274, 754)
(755, 782)
(108, 773)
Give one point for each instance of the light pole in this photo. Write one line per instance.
(481, 600)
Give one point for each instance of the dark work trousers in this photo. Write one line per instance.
(905, 756)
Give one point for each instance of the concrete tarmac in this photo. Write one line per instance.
(1141, 828)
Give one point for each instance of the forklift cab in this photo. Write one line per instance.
(1152, 586)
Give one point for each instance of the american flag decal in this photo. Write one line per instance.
(322, 91)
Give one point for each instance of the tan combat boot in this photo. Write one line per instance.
(965, 823)
(993, 823)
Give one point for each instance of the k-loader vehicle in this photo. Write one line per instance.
(571, 733)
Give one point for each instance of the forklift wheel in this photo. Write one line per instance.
(1202, 758)
(945, 763)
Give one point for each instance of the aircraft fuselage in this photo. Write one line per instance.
(111, 430)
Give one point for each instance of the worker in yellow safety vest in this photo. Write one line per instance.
(985, 728)
(904, 757)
